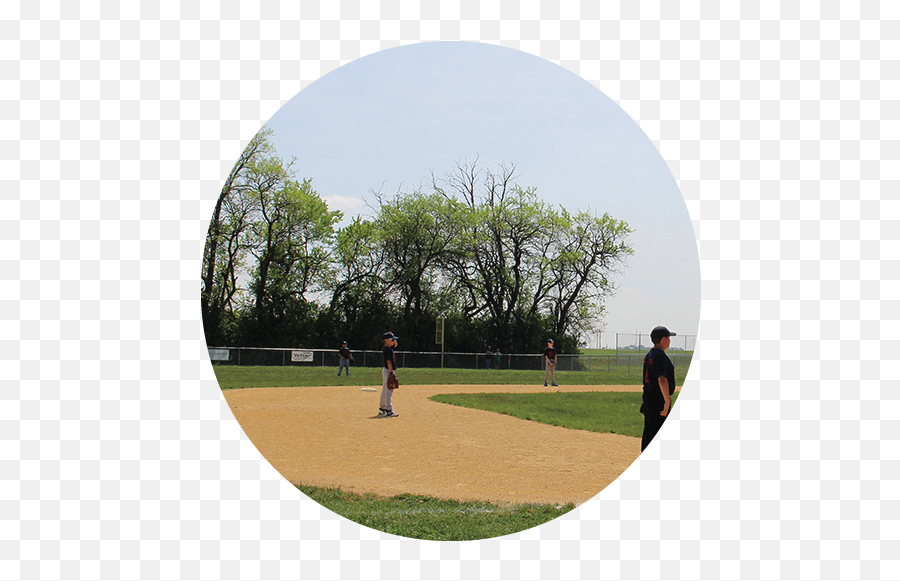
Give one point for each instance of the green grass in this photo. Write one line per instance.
(231, 377)
(423, 517)
(606, 412)
(604, 352)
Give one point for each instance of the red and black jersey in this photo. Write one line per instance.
(550, 354)
(344, 353)
(657, 364)
(389, 356)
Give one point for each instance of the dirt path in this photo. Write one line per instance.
(331, 436)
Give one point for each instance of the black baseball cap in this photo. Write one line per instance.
(549, 340)
(345, 342)
(659, 332)
(387, 335)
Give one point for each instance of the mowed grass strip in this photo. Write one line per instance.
(605, 412)
(427, 518)
(232, 377)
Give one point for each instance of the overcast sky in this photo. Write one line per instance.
(389, 119)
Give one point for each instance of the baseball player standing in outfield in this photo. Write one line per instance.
(659, 384)
(386, 408)
(346, 358)
(550, 363)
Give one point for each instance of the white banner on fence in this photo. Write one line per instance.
(302, 356)
(218, 354)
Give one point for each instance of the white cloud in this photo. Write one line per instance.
(345, 204)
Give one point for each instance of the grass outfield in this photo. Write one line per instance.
(231, 377)
(423, 517)
(607, 412)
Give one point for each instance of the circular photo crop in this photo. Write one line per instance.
(451, 291)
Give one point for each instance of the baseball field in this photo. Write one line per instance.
(463, 460)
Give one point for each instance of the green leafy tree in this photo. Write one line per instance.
(523, 265)
(589, 249)
(225, 245)
(292, 233)
(416, 232)
(358, 306)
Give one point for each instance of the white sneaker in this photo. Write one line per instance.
(391, 414)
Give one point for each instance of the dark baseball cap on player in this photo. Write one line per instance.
(345, 343)
(388, 335)
(549, 340)
(659, 332)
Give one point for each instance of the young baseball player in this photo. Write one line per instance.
(550, 363)
(659, 384)
(345, 358)
(390, 367)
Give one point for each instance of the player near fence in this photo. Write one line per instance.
(659, 384)
(388, 374)
(345, 358)
(550, 364)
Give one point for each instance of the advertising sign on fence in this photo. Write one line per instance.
(218, 354)
(302, 356)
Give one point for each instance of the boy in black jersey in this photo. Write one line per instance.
(345, 359)
(390, 366)
(659, 384)
(550, 363)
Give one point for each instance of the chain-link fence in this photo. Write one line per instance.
(251, 356)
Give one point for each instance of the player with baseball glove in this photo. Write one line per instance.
(389, 376)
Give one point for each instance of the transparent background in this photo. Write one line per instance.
(118, 125)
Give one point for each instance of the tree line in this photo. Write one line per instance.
(503, 267)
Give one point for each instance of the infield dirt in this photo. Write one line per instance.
(332, 437)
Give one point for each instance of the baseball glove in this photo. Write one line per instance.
(392, 382)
